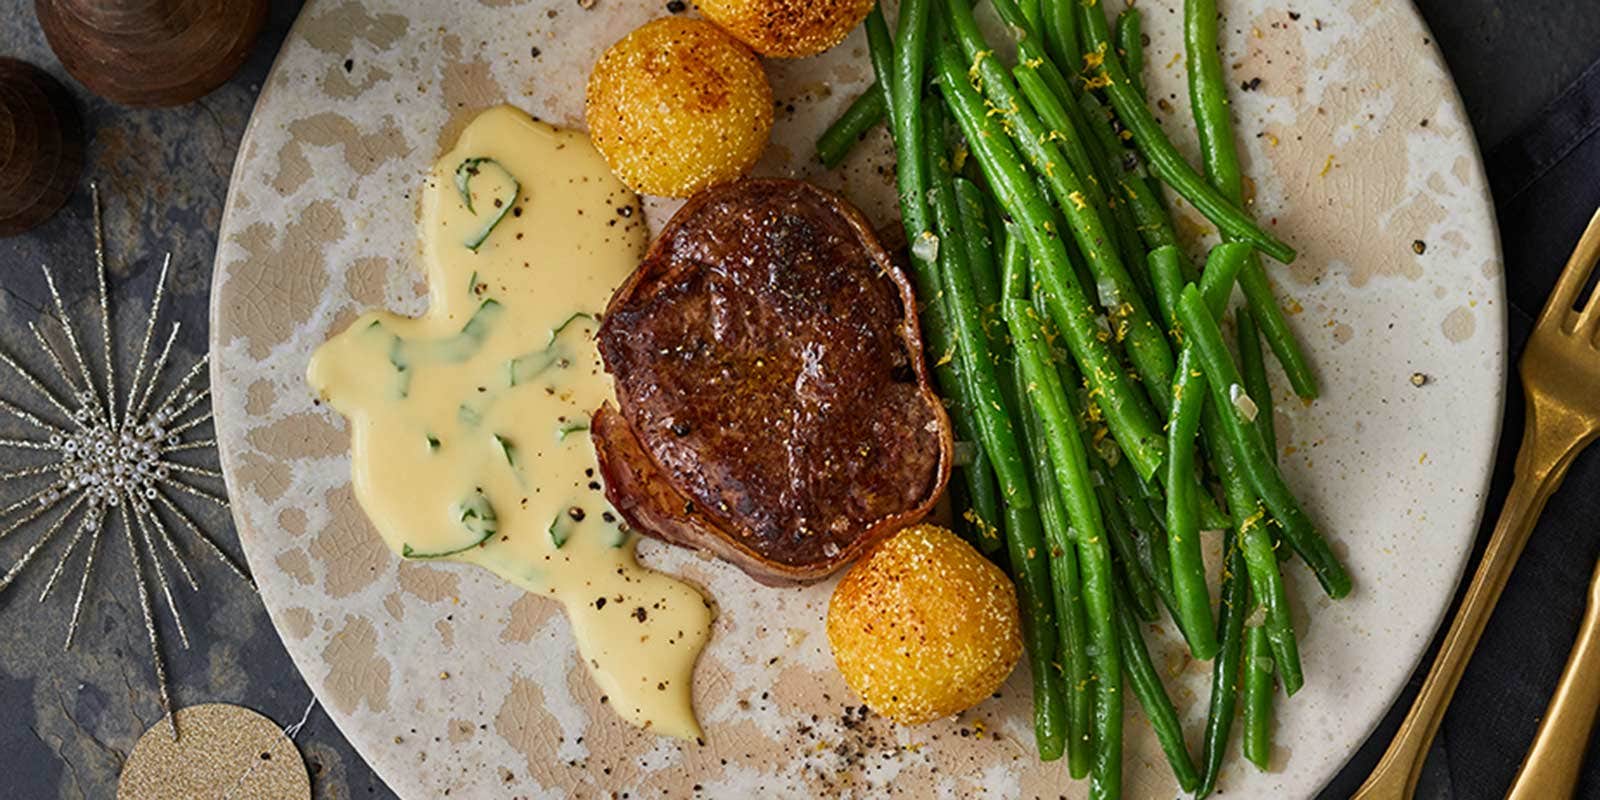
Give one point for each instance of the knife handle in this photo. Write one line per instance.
(1550, 769)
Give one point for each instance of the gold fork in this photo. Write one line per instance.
(1561, 380)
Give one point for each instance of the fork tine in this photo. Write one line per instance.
(1572, 280)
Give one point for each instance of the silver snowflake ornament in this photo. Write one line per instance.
(102, 462)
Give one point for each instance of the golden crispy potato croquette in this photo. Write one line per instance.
(924, 626)
(788, 28)
(677, 106)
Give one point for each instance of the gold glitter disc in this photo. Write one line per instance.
(223, 751)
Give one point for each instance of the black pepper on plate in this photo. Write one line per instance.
(677, 7)
(1419, 247)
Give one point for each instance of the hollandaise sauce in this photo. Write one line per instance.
(469, 425)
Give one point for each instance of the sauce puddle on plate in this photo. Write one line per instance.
(469, 425)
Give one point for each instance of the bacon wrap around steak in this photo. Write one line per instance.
(775, 410)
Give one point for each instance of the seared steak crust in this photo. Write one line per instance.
(769, 370)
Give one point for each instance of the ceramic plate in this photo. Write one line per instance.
(448, 679)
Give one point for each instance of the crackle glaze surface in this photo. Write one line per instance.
(446, 678)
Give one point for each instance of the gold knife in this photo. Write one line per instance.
(1561, 379)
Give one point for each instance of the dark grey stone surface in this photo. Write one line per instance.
(69, 718)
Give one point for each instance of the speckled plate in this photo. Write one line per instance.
(447, 679)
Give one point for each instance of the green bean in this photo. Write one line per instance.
(983, 514)
(965, 517)
(880, 51)
(1266, 582)
(1208, 91)
(1147, 686)
(1135, 545)
(1209, 95)
(1223, 264)
(1047, 104)
(1061, 35)
(980, 242)
(970, 217)
(1254, 369)
(1143, 195)
(1168, 273)
(983, 244)
(1153, 553)
(1130, 320)
(1212, 517)
(1130, 43)
(1072, 620)
(914, 213)
(1166, 269)
(1024, 539)
(1070, 465)
(1225, 670)
(1261, 564)
(1129, 419)
(905, 124)
(1183, 425)
(1124, 548)
(1153, 142)
(1224, 381)
(865, 112)
(1257, 691)
(1280, 337)
(1071, 617)
(1032, 9)
(1183, 524)
(906, 119)
(1165, 265)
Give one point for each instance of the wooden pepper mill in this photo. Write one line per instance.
(151, 52)
(41, 146)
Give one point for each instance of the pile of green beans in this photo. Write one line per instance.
(1081, 353)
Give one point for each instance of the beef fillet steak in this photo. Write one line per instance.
(774, 406)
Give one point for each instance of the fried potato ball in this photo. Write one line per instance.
(788, 28)
(924, 626)
(677, 106)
